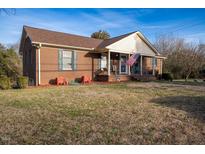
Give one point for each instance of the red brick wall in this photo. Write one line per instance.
(147, 64)
(29, 61)
(87, 64)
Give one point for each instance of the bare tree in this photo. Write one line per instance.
(14, 46)
(192, 60)
(183, 59)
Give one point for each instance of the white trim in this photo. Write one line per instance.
(39, 65)
(161, 60)
(153, 66)
(60, 45)
(103, 61)
(108, 63)
(140, 64)
(122, 51)
(63, 52)
(132, 52)
(129, 66)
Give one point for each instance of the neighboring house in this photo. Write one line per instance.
(49, 54)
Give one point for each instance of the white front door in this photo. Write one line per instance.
(123, 65)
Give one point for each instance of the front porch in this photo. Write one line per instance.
(113, 67)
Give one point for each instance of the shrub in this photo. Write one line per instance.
(22, 82)
(167, 76)
(5, 82)
(159, 76)
(73, 82)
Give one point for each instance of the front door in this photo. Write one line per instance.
(123, 65)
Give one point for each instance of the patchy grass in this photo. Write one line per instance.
(124, 113)
(193, 82)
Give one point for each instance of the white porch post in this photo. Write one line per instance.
(140, 64)
(39, 64)
(129, 66)
(153, 66)
(161, 61)
(108, 63)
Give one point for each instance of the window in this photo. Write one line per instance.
(103, 62)
(67, 60)
(154, 62)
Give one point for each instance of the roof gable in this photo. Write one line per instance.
(110, 41)
(130, 42)
(134, 42)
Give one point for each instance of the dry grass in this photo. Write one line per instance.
(124, 113)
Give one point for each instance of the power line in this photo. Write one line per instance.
(185, 27)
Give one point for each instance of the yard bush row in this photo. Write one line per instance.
(6, 82)
(22, 82)
(167, 76)
(11, 69)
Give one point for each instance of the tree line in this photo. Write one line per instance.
(10, 62)
(184, 59)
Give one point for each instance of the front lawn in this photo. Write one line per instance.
(123, 113)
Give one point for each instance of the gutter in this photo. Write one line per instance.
(60, 45)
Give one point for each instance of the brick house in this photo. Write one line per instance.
(49, 54)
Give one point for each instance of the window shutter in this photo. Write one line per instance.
(74, 60)
(60, 59)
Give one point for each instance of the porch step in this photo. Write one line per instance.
(102, 78)
(114, 78)
(143, 77)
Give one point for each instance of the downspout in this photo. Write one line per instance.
(39, 64)
(108, 63)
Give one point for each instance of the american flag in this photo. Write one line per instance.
(132, 59)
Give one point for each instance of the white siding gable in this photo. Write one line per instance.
(130, 44)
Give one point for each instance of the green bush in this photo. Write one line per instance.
(5, 82)
(167, 76)
(22, 82)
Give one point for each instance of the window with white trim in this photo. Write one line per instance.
(67, 60)
(103, 62)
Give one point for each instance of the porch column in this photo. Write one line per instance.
(153, 66)
(128, 66)
(161, 61)
(141, 65)
(108, 68)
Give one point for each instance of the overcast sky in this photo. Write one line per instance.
(186, 23)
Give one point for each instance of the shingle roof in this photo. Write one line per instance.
(53, 37)
(59, 38)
